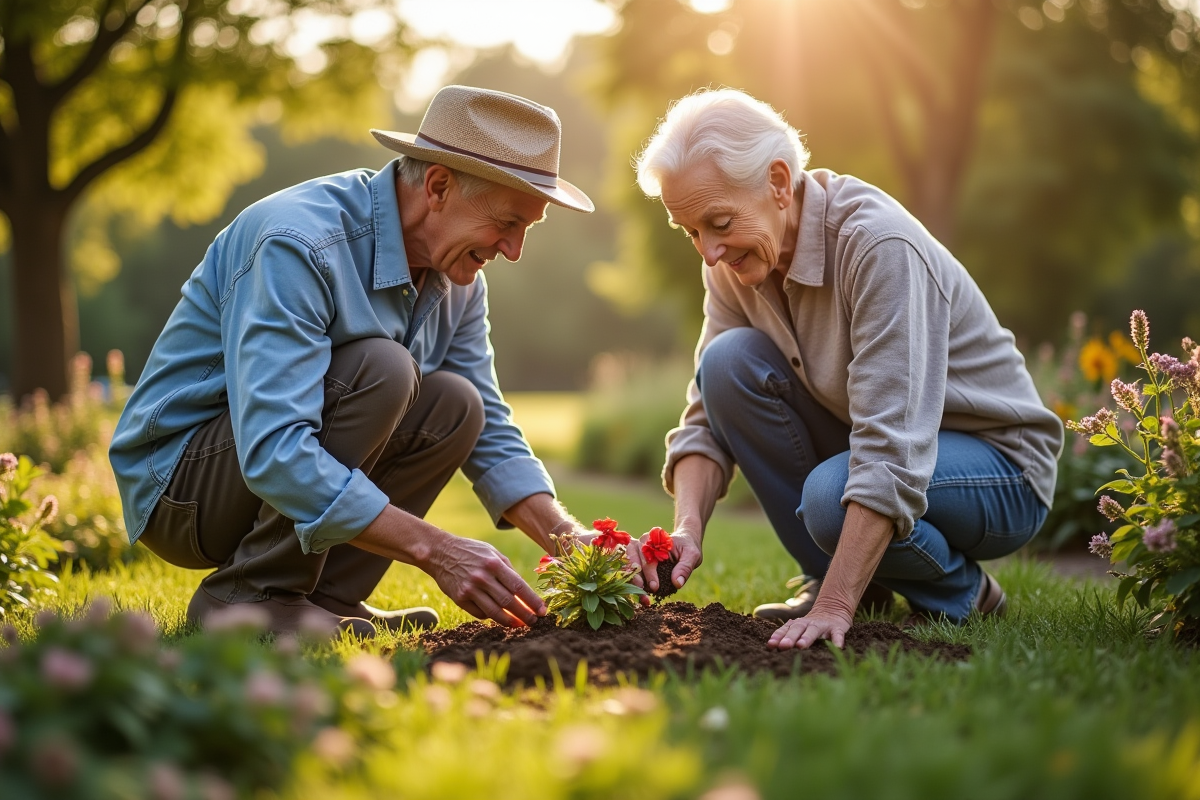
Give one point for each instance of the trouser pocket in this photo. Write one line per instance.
(172, 534)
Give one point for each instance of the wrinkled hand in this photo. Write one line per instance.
(481, 580)
(806, 631)
(685, 546)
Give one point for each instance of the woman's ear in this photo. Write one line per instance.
(779, 176)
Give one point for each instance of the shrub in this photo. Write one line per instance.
(95, 707)
(1071, 379)
(1159, 540)
(89, 523)
(26, 550)
(590, 581)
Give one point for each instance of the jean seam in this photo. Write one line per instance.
(930, 560)
(781, 408)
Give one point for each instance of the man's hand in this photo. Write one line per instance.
(686, 548)
(475, 575)
(481, 580)
(806, 631)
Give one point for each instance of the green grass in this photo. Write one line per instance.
(1064, 698)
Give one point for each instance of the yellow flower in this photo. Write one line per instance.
(1123, 348)
(1097, 361)
(1064, 410)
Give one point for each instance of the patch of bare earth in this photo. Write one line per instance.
(668, 635)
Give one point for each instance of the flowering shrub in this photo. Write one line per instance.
(95, 704)
(1159, 534)
(1072, 378)
(590, 580)
(26, 550)
(51, 433)
(89, 523)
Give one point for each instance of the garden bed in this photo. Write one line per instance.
(661, 637)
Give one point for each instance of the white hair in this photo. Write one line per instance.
(412, 173)
(741, 135)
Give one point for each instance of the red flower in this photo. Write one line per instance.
(609, 536)
(605, 525)
(545, 563)
(658, 546)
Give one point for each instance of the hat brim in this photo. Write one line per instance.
(563, 194)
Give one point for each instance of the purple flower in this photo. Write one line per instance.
(1127, 395)
(8, 465)
(66, 670)
(1095, 424)
(49, 510)
(265, 688)
(138, 633)
(1173, 463)
(1139, 329)
(1172, 367)
(1110, 508)
(1160, 538)
(1100, 545)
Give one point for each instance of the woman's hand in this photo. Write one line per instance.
(806, 631)
(686, 548)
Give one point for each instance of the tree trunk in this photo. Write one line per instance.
(47, 328)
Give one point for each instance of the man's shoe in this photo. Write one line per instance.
(991, 600)
(404, 620)
(288, 615)
(876, 599)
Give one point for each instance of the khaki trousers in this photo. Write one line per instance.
(407, 433)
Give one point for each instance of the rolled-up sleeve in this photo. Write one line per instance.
(900, 333)
(693, 436)
(273, 325)
(502, 468)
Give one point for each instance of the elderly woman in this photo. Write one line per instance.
(852, 369)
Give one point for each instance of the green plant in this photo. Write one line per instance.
(26, 550)
(93, 706)
(1159, 541)
(590, 580)
(89, 523)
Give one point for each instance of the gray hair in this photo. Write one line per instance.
(412, 173)
(740, 134)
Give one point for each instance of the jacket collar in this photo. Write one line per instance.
(808, 264)
(391, 262)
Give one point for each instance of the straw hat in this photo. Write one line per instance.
(497, 136)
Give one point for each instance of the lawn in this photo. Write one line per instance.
(1064, 698)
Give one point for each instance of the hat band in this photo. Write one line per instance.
(537, 177)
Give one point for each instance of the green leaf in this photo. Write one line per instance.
(1150, 424)
(1143, 594)
(589, 586)
(1180, 581)
(595, 618)
(590, 602)
(1119, 485)
(627, 610)
(1122, 533)
(1124, 587)
(1187, 521)
(1122, 550)
(1102, 440)
(608, 598)
(612, 617)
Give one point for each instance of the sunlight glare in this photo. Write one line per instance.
(710, 6)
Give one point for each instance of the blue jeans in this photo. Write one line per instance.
(795, 456)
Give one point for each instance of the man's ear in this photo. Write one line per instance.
(438, 182)
(779, 175)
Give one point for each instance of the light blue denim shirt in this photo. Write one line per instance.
(293, 276)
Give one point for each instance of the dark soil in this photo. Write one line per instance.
(665, 587)
(666, 636)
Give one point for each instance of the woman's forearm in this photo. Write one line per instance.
(866, 535)
(698, 483)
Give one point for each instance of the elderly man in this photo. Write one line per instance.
(327, 370)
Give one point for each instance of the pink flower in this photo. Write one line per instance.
(1127, 395)
(1172, 367)
(1095, 424)
(1173, 463)
(1100, 545)
(264, 688)
(8, 465)
(54, 761)
(166, 782)
(66, 670)
(334, 745)
(1139, 329)
(213, 787)
(1110, 508)
(1160, 538)
(138, 632)
(658, 547)
(372, 671)
(48, 512)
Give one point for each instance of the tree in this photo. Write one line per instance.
(904, 93)
(146, 106)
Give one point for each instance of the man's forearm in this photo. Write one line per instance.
(400, 536)
(539, 515)
(698, 483)
(866, 535)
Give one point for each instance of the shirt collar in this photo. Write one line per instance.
(391, 262)
(808, 264)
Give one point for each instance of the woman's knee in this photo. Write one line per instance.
(727, 369)
(821, 508)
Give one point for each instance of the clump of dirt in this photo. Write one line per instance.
(668, 635)
(665, 587)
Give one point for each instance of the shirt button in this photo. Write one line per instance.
(404, 292)
(795, 361)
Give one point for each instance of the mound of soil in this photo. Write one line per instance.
(671, 634)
